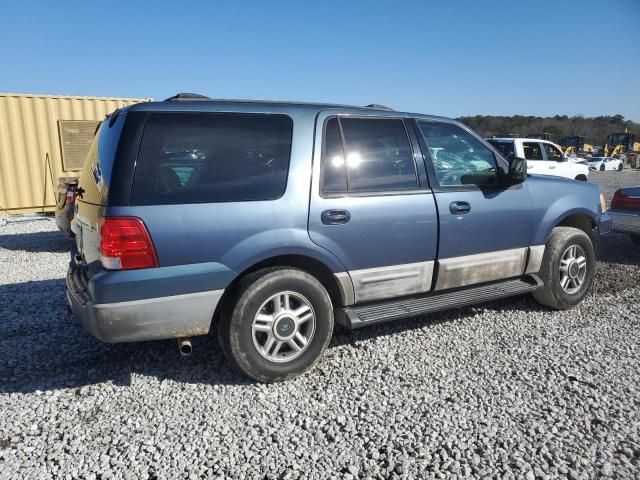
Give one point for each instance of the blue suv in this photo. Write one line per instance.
(267, 222)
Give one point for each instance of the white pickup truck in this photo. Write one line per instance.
(543, 157)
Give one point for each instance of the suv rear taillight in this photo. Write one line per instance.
(71, 195)
(623, 201)
(125, 244)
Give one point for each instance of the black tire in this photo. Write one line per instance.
(552, 294)
(635, 238)
(235, 326)
(620, 167)
(602, 167)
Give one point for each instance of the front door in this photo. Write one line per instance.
(485, 228)
(371, 206)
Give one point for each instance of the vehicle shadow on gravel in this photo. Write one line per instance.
(50, 242)
(618, 248)
(41, 349)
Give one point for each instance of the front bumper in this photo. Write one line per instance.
(604, 223)
(157, 318)
(625, 222)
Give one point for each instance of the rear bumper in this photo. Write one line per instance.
(625, 222)
(157, 318)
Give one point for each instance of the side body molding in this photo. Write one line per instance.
(361, 286)
(479, 268)
(380, 283)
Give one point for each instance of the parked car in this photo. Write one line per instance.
(66, 197)
(282, 218)
(605, 163)
(543, 157)
(625, 212)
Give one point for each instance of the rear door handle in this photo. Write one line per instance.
(335, 217)
(459, 208)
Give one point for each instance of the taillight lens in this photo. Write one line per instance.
(625, 201)
(125, 244)
(71, 195)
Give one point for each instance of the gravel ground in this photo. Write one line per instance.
(506, 389)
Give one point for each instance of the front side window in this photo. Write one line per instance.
(532, 151)
(376, 156)
(458, 157)
(212, 157)
(552, 152)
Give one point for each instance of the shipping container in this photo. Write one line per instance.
(43, 137)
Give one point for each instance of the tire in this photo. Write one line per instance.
(552, 294)
(581, 178)
(620, 167)
(635, 238)
(602, 167)
(242, 334)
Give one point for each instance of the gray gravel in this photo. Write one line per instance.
(507, 389)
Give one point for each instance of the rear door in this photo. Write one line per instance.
(485, 228)
(536, 162)
(371, 205)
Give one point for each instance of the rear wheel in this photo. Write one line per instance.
(279, 325)
(602, 167)
(567, 269)
(620, 167)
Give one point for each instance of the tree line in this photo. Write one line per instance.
(594, 129)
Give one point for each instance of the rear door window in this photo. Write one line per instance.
(212, 157)
(375, 156)
(532, 151)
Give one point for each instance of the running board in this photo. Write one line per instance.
(372, 313)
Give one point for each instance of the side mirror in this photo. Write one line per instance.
(517, 171)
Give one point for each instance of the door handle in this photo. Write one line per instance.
(459, 208)
(335, 217)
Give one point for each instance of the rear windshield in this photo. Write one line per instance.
(212, 157)
(505, 148)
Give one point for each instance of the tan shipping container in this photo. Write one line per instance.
(43, 137)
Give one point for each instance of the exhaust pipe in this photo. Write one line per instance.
(184, 346)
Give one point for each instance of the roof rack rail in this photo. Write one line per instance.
(186, 97)
(379, 107)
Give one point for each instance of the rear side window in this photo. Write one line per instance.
(376, 156)
(212, 157)
(532, 151)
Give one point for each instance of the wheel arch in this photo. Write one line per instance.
(306, 263)
(580, 220)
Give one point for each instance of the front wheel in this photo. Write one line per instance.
(620, 167)
(278, 326)
(602, 167)
(567, 269)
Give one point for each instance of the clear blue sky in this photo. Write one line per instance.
(446, 57)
